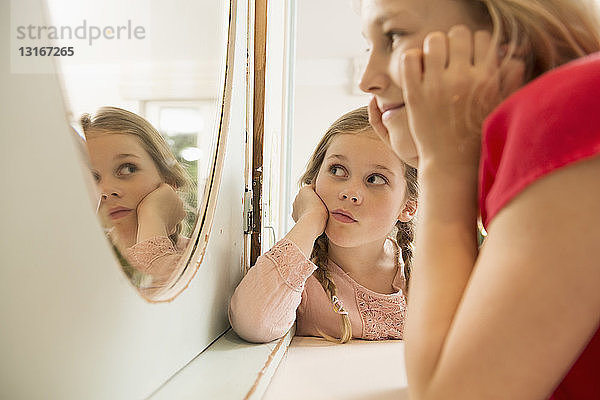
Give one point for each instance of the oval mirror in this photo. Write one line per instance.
(144, 83)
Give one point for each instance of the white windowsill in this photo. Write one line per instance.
(230, 368)
(316, 369)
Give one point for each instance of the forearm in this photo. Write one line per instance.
(149, 227)
(264, 304)
(446, 249)
(261, 311)
(305, 232)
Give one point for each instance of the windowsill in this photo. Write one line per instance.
(292, 368)
(230, 368)
(314, 368)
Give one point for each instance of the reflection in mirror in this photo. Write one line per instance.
(138, 180)
(152, 62)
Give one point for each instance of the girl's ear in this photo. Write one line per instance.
(408, 211)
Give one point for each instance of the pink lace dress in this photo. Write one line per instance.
(280, 290)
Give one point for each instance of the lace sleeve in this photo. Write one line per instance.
(264, 304)
(143, 254)
(293, 266)
(158, 261)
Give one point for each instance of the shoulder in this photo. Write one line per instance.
(568, 81)
(549, 123)
(561, 96)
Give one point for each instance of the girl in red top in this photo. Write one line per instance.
(496, 101)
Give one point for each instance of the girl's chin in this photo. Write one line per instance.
(340, 240)
(122, 226)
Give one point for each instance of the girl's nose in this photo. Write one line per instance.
(351, 195)
(105, 196)
(374, 78)
(108, 191)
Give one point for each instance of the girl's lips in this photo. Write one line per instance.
(117, 213)
(390, 112)
(342, 217)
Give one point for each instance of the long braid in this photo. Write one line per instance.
(320, 259)
(405, 235)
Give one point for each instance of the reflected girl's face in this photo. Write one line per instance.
(391, 27)
(124, 173)
(362, 185)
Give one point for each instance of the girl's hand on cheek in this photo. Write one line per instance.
(309, 206)
(380, 129)
(310, 214)
(376, 123)
(162, 204)
(440, 83)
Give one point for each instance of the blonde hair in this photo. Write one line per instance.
(548, 33)
(353, 122)
(543, 33)
(113, 120)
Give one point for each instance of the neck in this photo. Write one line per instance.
(359, 260)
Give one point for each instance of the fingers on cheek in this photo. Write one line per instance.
(435, 52)
(460, 44)
(412, 71)
(374, 112)
(375, 116)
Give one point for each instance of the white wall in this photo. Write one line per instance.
(72, 327)
(179, 58)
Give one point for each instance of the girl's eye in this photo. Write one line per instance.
(395, 38)
(127, 169)
(377, 179)
(96, 176)
(337, 170)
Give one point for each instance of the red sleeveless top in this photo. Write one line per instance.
(551, 122)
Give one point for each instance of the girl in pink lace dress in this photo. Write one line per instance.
(343, 269)
(137, 178)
